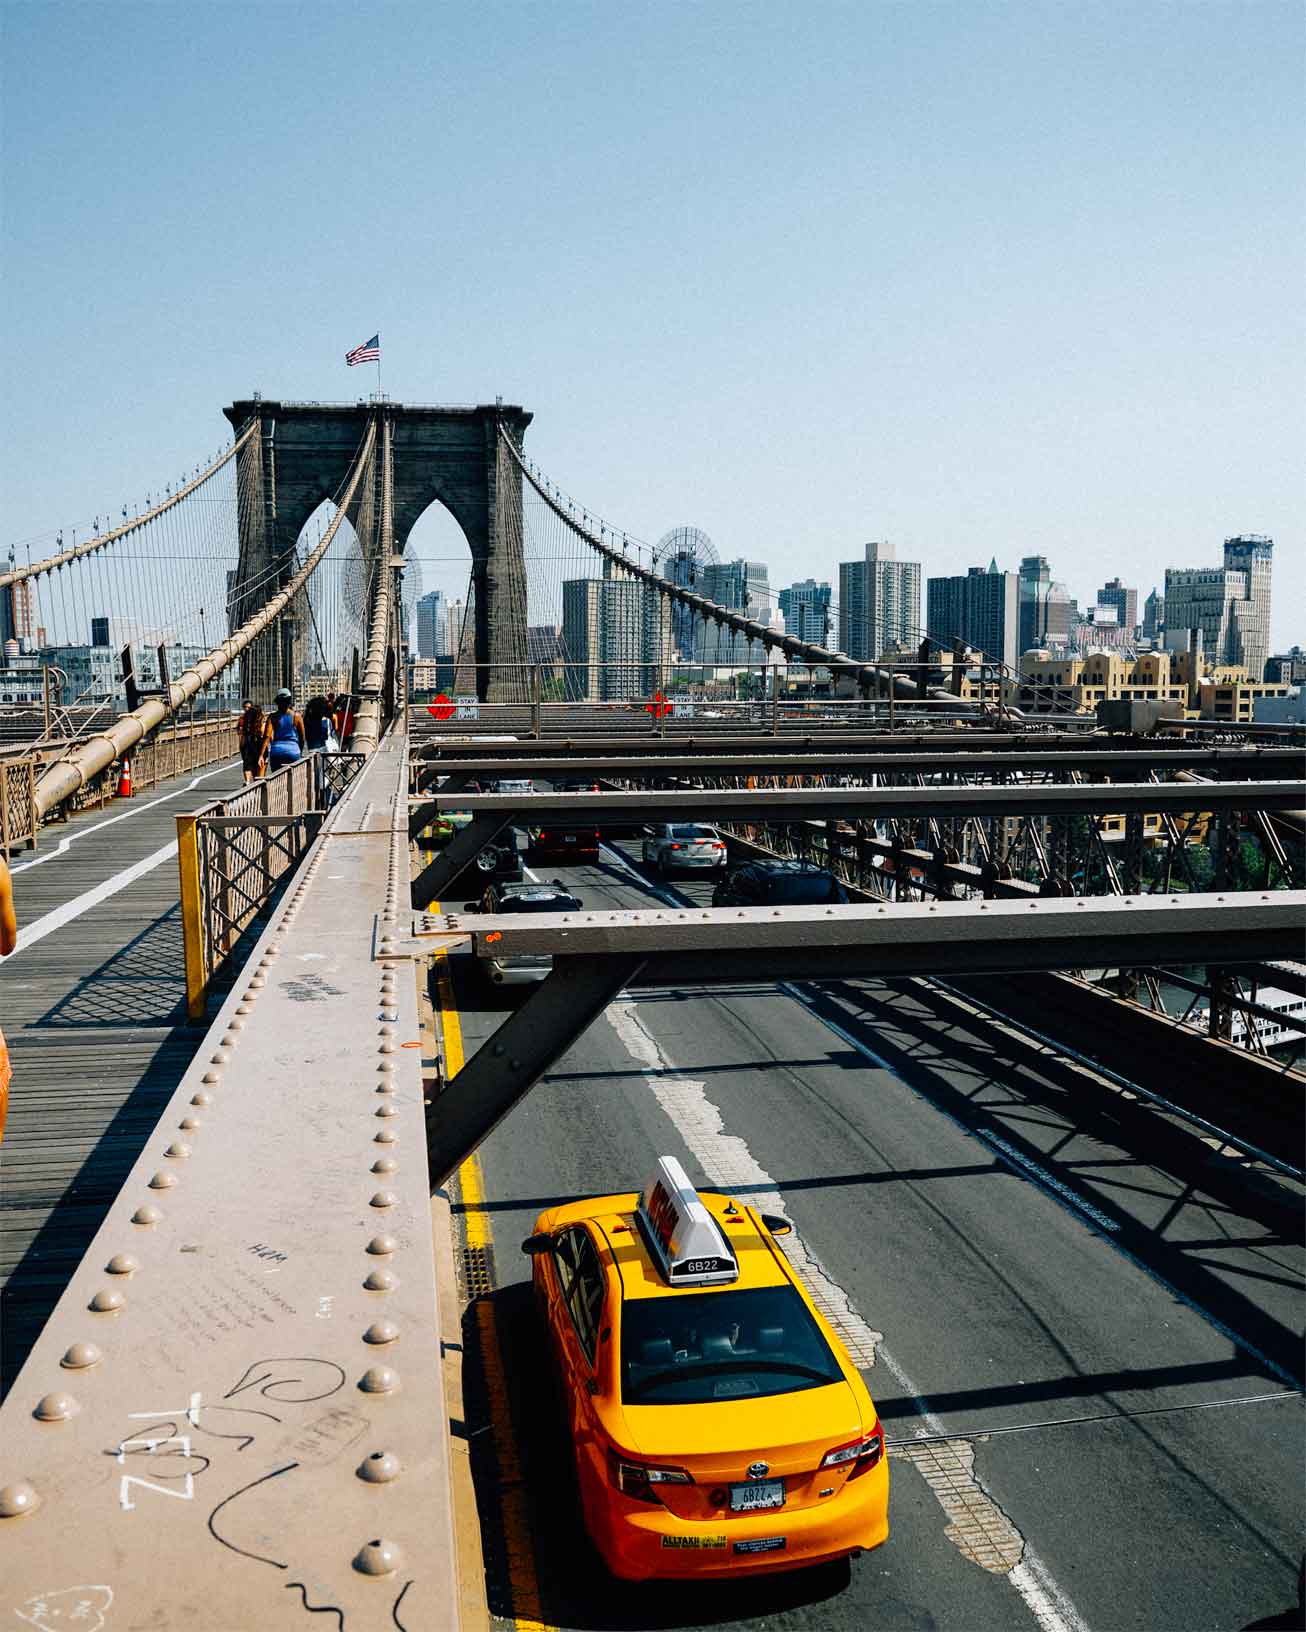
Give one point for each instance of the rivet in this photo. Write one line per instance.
(188, 1124)
(379, 1380)
(386, 1048)
(378, 1557)
(265, 962)
(201, 1099)
(256, 982)
(381, 1331)
(56, 1408)
(387, 1110)
(385, 1164)
(385, 1136)
(386, 1067)
(384, 1198)
(235, 1025)
(381, 1280)
(177, 1150)
(122, 1263)
(147, 1215)
(80, 1356)
(389, 1014)
(20, 1498)
(244, 1008)
(380, 1468)
(387, 1087)
(107, 1302)
(385, 1031)
(163, 1181)
(220, 1059)
(381, 1246)
(211, 1077)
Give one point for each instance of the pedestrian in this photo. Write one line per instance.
(344, 717)
(317, 722)
(8, 941)
(283, 733)
(250, 730)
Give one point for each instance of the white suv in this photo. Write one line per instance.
(673, 845)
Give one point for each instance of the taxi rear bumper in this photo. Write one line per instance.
(640, 1542)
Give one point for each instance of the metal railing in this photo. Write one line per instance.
(233, 854)
(184, 747)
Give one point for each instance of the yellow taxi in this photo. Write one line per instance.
(719, 1426)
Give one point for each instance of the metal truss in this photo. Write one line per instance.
(493, 813)
(597, 954)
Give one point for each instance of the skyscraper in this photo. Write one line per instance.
(879, 603)
(1153, 615)
(742, 586)
(1125, 601)
(981, 609)
(1230, 605)
(431, 625)
(806, 609)
(616, 637)
(1047, 614)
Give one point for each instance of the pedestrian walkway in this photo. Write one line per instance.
(93, 1006)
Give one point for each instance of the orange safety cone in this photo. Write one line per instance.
(125, 780)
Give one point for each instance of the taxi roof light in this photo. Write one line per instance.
(686, 1244)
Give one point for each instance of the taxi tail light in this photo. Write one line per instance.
(641, 1479)
(864, 1451)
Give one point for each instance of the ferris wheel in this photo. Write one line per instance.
(681, 556)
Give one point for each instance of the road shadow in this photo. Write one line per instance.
(539, 1561)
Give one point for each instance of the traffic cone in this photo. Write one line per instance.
(125, 780)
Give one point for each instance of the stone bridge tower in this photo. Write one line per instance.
(301, 456)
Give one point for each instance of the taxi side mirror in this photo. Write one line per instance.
(777, 1225)
(536, 1244)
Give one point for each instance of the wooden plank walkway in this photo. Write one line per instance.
(94, 1014)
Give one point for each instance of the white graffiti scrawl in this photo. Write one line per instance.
(78, 1609)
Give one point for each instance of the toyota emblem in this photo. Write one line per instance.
(758, 1470)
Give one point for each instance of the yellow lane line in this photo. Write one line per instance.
(519, 1549)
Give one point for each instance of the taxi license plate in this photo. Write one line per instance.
(757, 1493)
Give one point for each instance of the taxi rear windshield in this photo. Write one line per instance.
(701, 1346)
(539, 903)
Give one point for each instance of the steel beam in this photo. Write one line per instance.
(783, 804)
(557, 1012)
(1239, 763)
(596, 955)
(461, 850)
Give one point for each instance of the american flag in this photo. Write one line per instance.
(369, 353)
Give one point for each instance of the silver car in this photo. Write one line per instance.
(672, 845)
(522, 968)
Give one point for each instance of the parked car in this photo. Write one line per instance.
(522, 968)
(499, 860)
(778, 884)
(671, 846)
(563, 843)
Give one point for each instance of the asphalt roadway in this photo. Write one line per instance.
(1080, 1322)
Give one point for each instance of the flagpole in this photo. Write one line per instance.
(378, 366)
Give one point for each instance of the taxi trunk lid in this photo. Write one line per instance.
(789, 1434)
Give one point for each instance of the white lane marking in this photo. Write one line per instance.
(672, 897)
(79, 904)
(534, 877)
(977, 1524)
(62, 847)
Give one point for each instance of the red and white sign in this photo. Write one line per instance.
(442, 708)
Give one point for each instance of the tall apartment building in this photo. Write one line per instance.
(1125, 600)
(16, 621)
(805, 607)
(744, 587)
(616, 638)
(982, 609)
(432, 629)
(879, 603)
(1229, 605)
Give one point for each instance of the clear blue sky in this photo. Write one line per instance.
(981, 279)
